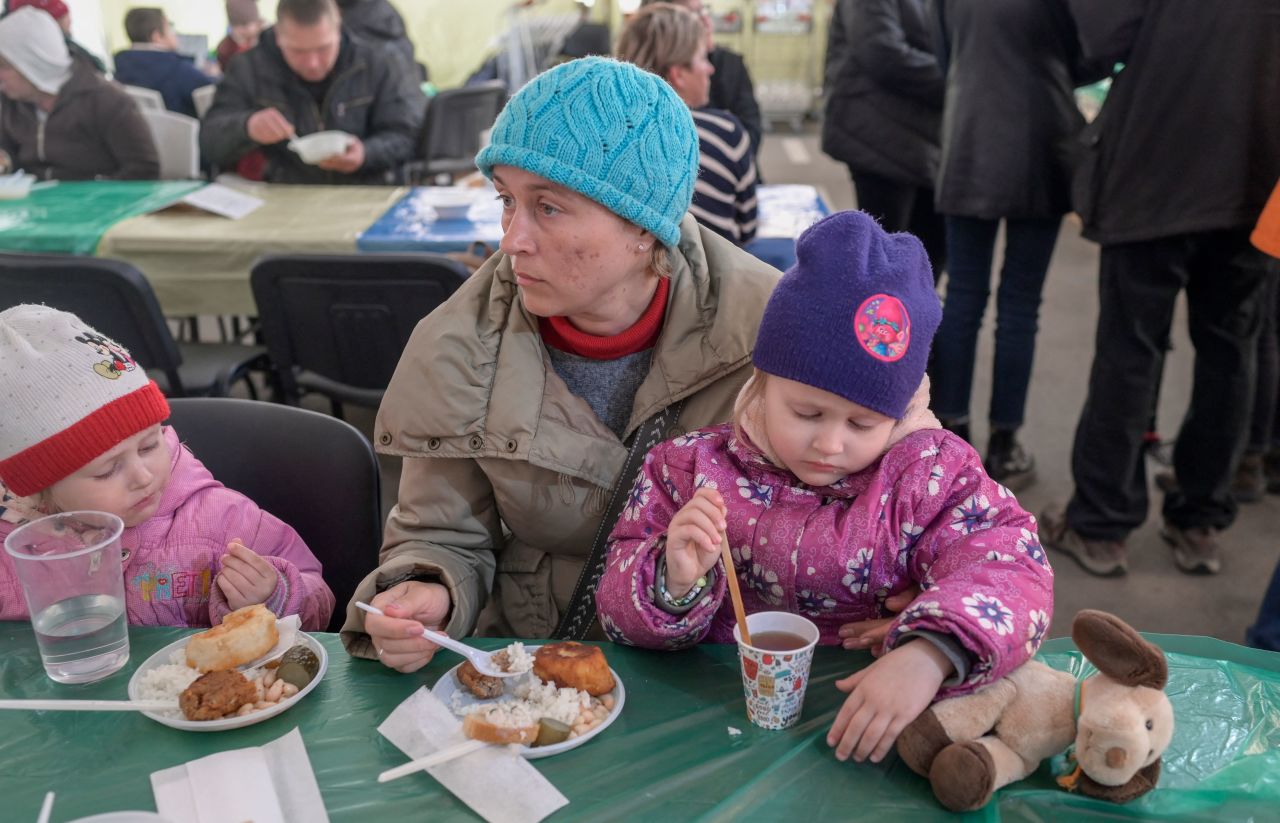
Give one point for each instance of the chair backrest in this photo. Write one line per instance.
(147, 99)
(346, 318)
(177, 140)
(110, 295)
(314, 472)
(202, 98)
(455, 121)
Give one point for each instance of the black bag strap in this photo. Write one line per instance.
(579, 617)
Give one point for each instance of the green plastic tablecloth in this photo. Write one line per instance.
(71, 217)
(668, 757)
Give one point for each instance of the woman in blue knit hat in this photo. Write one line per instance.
(838, 490)
(607, 312)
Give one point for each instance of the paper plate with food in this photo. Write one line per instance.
(249, 668)
(565, 695)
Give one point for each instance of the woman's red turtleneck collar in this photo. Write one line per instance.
(560, 334)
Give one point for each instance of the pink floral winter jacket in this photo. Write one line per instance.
(925, 513)
(171, 560)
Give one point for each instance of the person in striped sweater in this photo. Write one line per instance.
(669, 40)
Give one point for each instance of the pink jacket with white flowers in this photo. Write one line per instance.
(171, 560)
(925, 513)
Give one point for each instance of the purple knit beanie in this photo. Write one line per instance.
(854, 316)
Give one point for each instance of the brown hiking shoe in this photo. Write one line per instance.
(1105, 558)
(1250, 482)
(1195, 550)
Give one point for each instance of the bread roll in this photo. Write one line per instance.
(244, 635)
(572, 665)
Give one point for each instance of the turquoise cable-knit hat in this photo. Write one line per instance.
(610, 130)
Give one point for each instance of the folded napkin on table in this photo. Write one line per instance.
(497, 783)
(272, 783)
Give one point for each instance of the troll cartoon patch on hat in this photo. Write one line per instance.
(883, 327)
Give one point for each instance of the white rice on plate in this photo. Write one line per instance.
(529, 700)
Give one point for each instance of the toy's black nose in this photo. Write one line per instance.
(1116, 757)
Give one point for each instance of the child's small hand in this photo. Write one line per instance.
(693, 540)
(885, 697)
(246, 577)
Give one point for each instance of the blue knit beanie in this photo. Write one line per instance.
(610, 130)
(854, 316)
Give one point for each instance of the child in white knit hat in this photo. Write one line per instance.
(82, 429)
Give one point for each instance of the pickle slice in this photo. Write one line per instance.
(551, 732)
(298, 666)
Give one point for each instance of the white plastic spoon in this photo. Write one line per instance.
(483, 661)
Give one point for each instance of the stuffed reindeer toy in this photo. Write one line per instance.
(1119, 722)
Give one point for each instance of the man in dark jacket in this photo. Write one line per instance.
(59, 118)
(153, 62)
(1181, 160)
(307, 75)
(884, 113)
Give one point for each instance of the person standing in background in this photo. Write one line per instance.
(1181, 160)
(883, 114)
(1011, 69)
(378, 22)
(244, 24)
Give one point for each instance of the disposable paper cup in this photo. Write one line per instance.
(774, 682)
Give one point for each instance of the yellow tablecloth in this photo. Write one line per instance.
(199, 263)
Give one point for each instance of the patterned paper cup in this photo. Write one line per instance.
(774, 681)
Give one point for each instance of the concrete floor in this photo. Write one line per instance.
(1154, 596)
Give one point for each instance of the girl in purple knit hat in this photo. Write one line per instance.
(838, 491)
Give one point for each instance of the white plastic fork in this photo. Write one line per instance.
(483, 661)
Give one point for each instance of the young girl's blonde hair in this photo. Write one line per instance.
(748, 400)
(660, 37)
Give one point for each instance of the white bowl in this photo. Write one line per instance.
(322, 145)
(16, 186)
(451, 204)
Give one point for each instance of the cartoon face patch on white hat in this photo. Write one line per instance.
(69, 392)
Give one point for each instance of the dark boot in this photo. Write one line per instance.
(1008, 463)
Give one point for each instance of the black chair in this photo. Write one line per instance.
(114, 298)
(451, 130)
(315, 473)
(337, 324)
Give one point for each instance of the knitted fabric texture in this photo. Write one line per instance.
(854, 316)
(69, 394)
(609, 130)
(33, 44)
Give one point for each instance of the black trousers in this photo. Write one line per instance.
(1264, 431)
(904, 207)
(1138, 285)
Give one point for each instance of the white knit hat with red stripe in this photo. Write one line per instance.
(68, 393)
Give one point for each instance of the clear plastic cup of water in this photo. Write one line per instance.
(69, 568)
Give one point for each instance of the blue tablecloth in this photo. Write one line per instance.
(412, 225)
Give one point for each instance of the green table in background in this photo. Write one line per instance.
(71, 217)
(668, 757)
